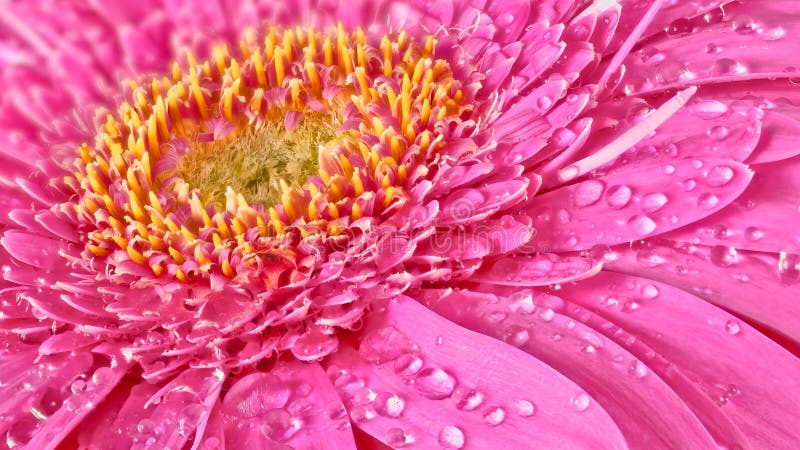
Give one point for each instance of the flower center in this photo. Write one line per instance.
(258, 160)
(204, 172)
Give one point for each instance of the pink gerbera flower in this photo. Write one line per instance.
(443, 224)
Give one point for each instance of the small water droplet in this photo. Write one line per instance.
(653, 202)
(743, 24)
(723, 256)
(650, 291)
(580, 401)
(732, 327)
(618, 196)
(544, 102)
(435, 383)
(395, 438)
(407, 365)
(641, 225)
(279, 425)
(469, 400)
(772, 33)
(753, 234)
(712, 48)
(524, 408)
(637, 369)
(451, 437)
(588, 193)
(789, 267)
(668, 169)
(718, 132)
(707, 201)
(727, 66)
(709, 109)
(719, 176)
(389, 405)
(494, 416)
(679, 27)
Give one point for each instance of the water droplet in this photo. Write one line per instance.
(279, 425)
(753, 234)
(679, 27)
(723, 256)
(451, 437)
(588, 193)
(256, 394)
(789, 267)
(743, 24)
(434, 383)
(709, 109)
(618, 196)
(727, 66)
(395, 438)
(407, 365)
(712, 48)
(637, 369)
(77, 386)
(732, 327)
(580, 401)
(707, 201)
(641, 225)
(771, 33)
(668, 169)
(494, 416)
(718, 395)
(718, 132)
(547, 315)
(720, 176)
(385, 344)
(524, 408)
(468, 400)
(650, 291)
(653, 202)
(544, 102)
(362, 413)
(389, 405)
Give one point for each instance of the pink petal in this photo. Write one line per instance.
(749, 378)
(529, 320)
(760, 287)
(633, 204)
(294, 404)
(763, 218)
(540, 270)
(468, 390)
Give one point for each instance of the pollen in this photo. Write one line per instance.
(204, 171)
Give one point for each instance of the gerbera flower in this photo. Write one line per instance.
(446, 224)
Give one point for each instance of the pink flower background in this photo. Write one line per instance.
(614, 262)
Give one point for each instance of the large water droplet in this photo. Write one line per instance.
(588, 192)
(451, 437)
(743, 24)
(618, 196)
(385, 344)
(650, 291)
(395, 438)
(407, 365)
(255, 394)
(727, 66)
(279, 425)
(789, 267)
(469, 400)
(435, 383)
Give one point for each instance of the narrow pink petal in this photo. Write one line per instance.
(438, 385)
(748, 377)
(540, 270)
(619, 381)
(634, 204)
(760, 287)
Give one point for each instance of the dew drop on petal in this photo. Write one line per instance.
(723, 256)
(753, 234)
(279, 425)
(641, 225)
(653, 202)
(637, 369)
(434, 383)
(720, 176)
(407, 365)
(524, 408)
(618, 196)
(709, 109)
(451, 437)
(389, 405)
(650, 291)
(494, 416)
(707, 201)
(588, 193)
(789, 267)
(732, 327)
(580, 401)
(772, 33)
(469, 400)
(395, 438)
(718, 132)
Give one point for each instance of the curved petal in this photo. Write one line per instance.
(427, 381)
(634, 204)
(761, 287)
(607, 371)
(749, 377)
(763, 218)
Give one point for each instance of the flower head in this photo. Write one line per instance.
(450, 224)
